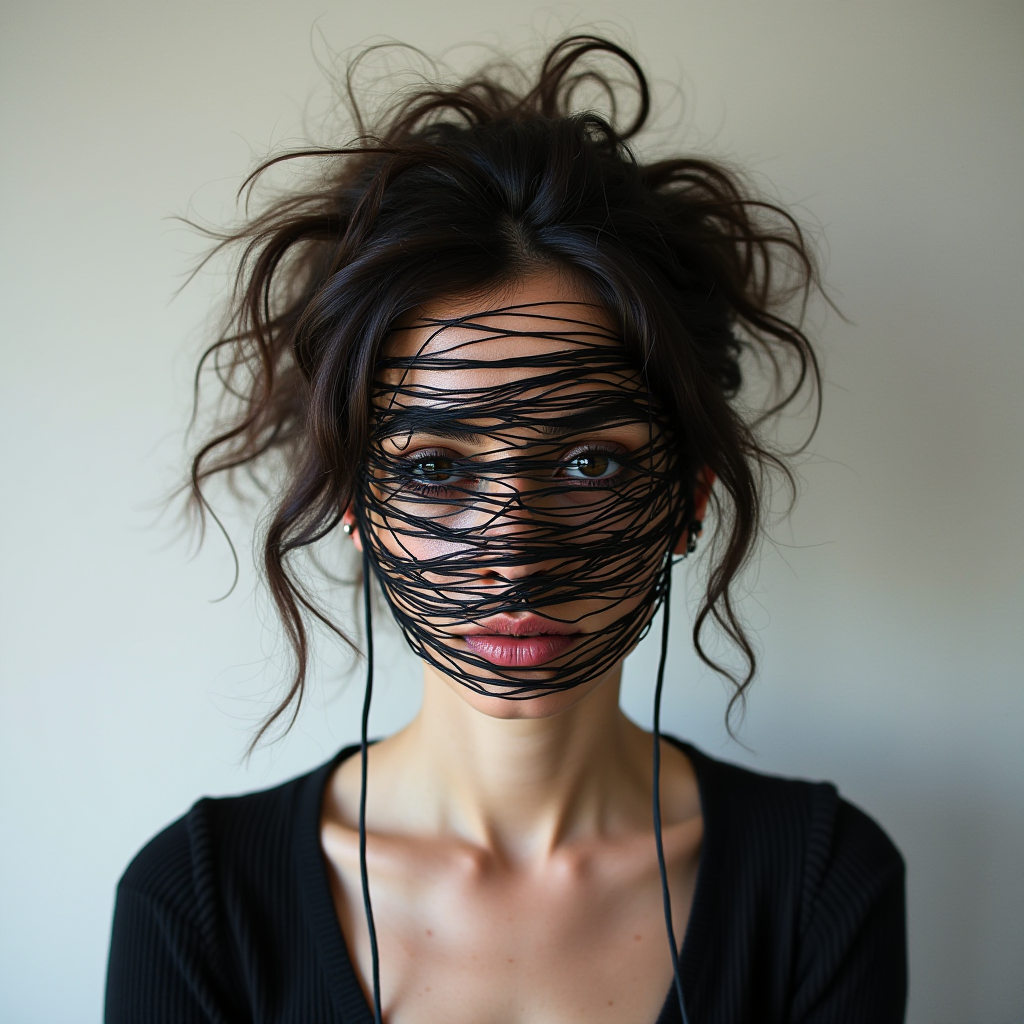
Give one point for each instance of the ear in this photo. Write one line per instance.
(701, 493)
(349, 520)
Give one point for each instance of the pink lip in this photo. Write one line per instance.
(520, 641)
(519, 651)
(527, 624)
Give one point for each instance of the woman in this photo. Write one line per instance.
(503, 358)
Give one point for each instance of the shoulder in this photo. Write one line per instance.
(803, 888)
(213, 911)
(771, 817)
(225, 836)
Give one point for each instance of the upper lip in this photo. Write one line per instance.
(526, 624)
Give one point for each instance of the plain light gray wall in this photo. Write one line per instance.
(889, 610)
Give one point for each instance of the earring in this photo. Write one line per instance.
(691, 535)
(346, 528)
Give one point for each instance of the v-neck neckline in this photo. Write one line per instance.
(343, 982)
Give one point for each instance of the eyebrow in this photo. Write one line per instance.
(445, 427)
(471, 437)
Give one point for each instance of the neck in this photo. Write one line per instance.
(522, 785)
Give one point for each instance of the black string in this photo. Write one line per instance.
(437, 527)
(666, 896)
(364, 750)
(440, 529)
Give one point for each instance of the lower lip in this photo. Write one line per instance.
(519, 651)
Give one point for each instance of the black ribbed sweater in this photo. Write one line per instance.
(798, 913)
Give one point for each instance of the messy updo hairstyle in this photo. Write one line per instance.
(455, 189)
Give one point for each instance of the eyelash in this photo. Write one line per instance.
(417, 484)
(614, 455)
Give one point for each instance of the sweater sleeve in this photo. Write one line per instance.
(852, 956)
(163, 965)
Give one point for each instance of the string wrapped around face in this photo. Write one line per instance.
(520, 483)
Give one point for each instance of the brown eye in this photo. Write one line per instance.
(592, 466)
(435, 468)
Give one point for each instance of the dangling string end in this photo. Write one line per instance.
(656, 760)
(364, 746)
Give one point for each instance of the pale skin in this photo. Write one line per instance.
(510, 844)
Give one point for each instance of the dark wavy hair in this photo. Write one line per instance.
(460, 188)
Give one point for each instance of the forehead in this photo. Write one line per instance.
(542, 329)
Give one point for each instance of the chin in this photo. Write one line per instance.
(544, 706)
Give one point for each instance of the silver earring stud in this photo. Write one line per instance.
(346, 528)
(696, 526)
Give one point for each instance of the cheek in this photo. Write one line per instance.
(400, 537)
(413, 546)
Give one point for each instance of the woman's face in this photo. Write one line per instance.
(521, 495)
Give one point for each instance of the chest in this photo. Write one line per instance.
(465, 941)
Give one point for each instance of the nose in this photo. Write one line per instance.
(513, 550)
(511, 571)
